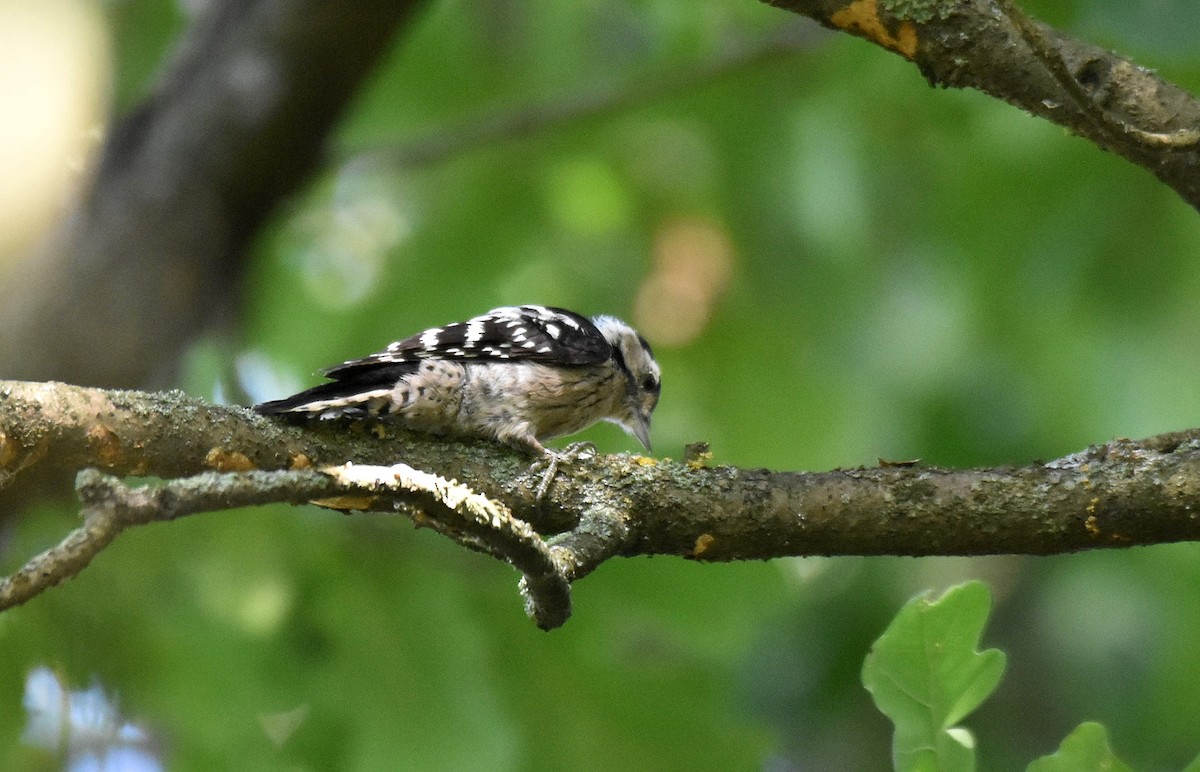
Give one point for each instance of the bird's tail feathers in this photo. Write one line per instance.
(367, 392)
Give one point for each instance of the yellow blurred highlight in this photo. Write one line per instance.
(54, 90)
(693, 263)
(255, 605)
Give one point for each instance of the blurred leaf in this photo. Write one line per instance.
(1084, 750)
(925, 674)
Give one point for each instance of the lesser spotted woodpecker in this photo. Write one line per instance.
(518, 374)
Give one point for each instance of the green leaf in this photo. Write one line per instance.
(1084, 750)
(925, 674)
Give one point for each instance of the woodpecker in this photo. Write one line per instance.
(517, 374)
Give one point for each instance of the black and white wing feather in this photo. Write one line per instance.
(512, 333)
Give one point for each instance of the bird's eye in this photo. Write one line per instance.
(649, 383)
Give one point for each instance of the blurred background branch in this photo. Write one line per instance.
(528, 121)
(152, 251)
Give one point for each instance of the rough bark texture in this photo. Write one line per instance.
(1120, 494)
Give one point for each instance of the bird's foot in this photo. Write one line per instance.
(555, 458)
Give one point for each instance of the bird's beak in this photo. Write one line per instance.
(640, 427)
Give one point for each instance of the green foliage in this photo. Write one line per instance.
(924, 672)
(1084, 750)
(926, 675)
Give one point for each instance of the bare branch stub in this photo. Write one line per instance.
(992, 46)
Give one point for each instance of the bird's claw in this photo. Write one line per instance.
(554, 458)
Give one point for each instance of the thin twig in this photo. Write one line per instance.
(110, 506)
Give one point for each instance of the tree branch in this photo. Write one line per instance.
(109, 507)
(992, 46)
(1120, 494)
